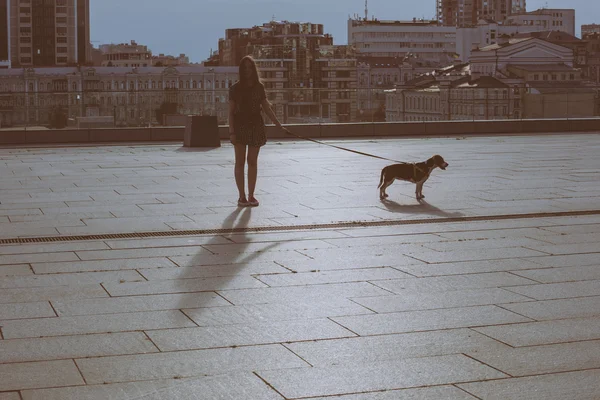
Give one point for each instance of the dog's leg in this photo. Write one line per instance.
(382, 193)
(420, 191)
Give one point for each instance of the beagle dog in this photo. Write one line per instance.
(417, 173)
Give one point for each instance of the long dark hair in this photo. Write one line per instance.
(255, 80)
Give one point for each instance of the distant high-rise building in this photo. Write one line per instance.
(84, 48)
(465, 13)
(585, 29)
(458, 12)
(4, 40)
(46, 33)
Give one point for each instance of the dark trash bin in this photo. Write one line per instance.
(201, 131)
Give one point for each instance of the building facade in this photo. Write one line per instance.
(500, 10)
(585, 29)
(131, 95)
(307, 78)
(426, 40)
(162, 60)
(125, 55)
(519, 78)
(547, 19)
(467, 13)
(4, 37)
(487, 33)
(458, 13)
(46, 33)
(592, 41)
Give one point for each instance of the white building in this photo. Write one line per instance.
(131, 95)
(494, 59)
(489, 32)
(426, 40)
(546, 19)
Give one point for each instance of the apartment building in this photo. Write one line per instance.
(126, 55)
(546, 19)
(466, 13)
(4, 37)
(45, 33)
(585, 29)
(300, 68)
(426, 40)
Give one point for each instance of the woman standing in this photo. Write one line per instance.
(247, 98)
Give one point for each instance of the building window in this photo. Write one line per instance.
(554, 77)
(61, 40)
(26, 50)
(61, 50)
(572, 77)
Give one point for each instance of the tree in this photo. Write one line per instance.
(165, 108)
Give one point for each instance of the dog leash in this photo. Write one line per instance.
(344, 148)
(354, 151)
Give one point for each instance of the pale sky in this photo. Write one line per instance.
(194, 27)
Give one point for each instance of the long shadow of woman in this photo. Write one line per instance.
(218, 263)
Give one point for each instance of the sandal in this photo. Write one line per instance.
(243, 203)
(253, 202)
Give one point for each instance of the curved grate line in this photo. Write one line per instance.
(334, 225)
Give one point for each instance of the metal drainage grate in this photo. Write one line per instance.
(335, 225)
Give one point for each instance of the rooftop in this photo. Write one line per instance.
(488, 289)
(509, 42)
(544, 67)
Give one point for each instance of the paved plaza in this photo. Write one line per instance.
(489, 289)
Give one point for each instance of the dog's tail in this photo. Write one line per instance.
(381, 180)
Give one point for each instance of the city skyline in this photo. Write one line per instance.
(179, 27)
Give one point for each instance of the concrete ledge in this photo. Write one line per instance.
(508, 126)
(12, 137)
(541, 126)
(449, 128)
(379, 129)
(121, 135)
(167, 134)
(57, 136)
(584, 125)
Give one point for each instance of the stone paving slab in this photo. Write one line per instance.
(433, 393)
(427, 309)
(227, 387)
(388, 375)
(581, 385)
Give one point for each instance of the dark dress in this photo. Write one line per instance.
(247, 118)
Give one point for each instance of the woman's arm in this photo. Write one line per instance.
(266, 106)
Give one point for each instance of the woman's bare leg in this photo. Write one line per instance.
(252, 169)
(240, 161)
